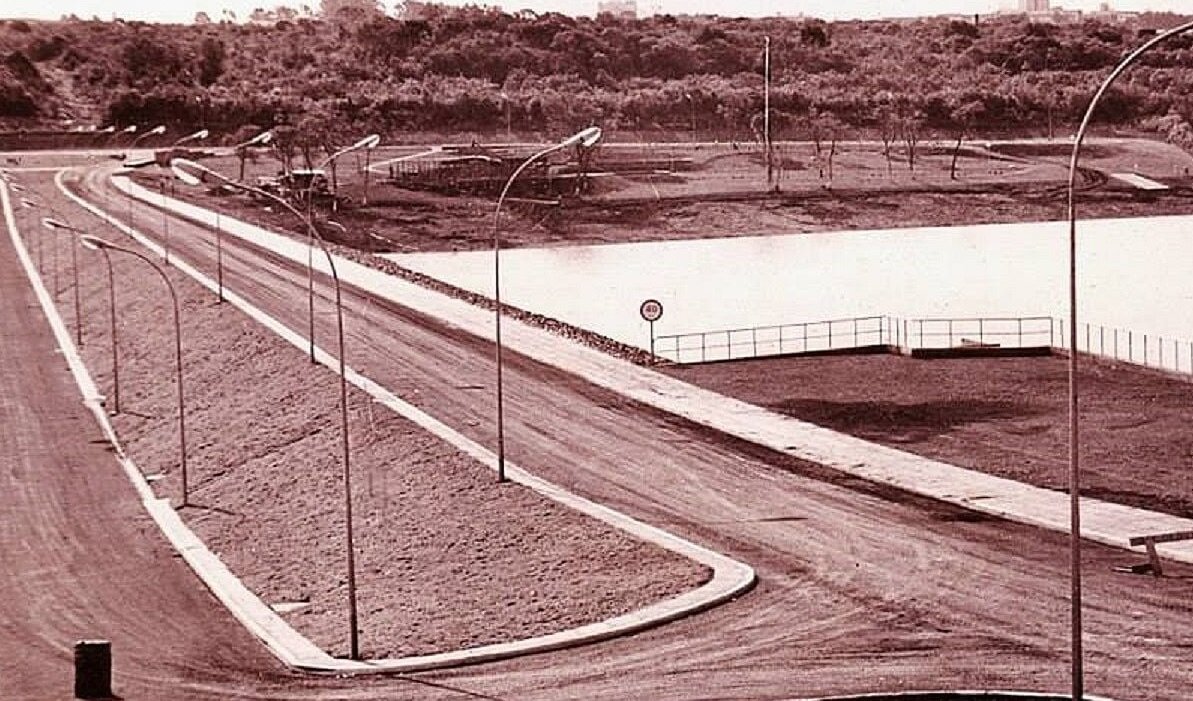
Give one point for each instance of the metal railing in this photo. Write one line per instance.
(759, 341)
(1125, 345)
(993, 332)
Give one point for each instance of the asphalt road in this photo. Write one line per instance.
(861, 589)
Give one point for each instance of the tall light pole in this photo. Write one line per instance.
(96, 243)
(586, 139)
(182, 170)
(165, 224)
(368, 143)
(159, 129)
(766, 114)
(241, 150)
(196, 136)
(30, 204)
(56, 225)
(112, 330)
(1074, 463)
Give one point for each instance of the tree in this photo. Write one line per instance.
(211, 60)
(964, 116)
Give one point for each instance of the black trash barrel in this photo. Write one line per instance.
(93, 669)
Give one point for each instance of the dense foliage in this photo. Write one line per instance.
(482, 70)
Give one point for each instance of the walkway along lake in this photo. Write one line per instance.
(1134, 274)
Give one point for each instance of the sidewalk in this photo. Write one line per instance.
(1103, 522)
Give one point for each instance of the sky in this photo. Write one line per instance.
(175, 11)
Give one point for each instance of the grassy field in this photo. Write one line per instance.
(720, 190)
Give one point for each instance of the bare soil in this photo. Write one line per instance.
(1002, 416)
(724, 192)
(446, 557)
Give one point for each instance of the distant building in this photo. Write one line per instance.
(625, 9)
(1033, 6)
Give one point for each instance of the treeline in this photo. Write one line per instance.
(486, 71)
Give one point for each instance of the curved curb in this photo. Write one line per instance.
(955, 695)
(730, 578)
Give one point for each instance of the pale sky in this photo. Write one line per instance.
(174, 11)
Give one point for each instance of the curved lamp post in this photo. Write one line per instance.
(159, 129)
(368, 143)
(197, 136)
(586, 139)
(241, 149)
(112, 330)
(1074, 474)
(30, 204)
(96, 243)
(182, 170)
(57, 225)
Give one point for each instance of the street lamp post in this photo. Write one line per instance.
(56, 225)
(196, 136)
(112, 330)
(30, 204)
(159, 129)
(1074, 464)
(241, 150)
(368, 143)
(165, 224)
(182, 168)
(96, 243)
(586, 139)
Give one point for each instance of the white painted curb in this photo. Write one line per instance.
(1102, 522)
(730, 578)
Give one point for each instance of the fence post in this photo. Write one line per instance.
(906, 338)
(677, 350)
(950, 333)
(855, 332)
(754, 337)
(1160, 344)
(805, 325)
(1130, 346)
(703, 357)
(830, 335)
(981, 333)
(1101, 340)
(781, 339)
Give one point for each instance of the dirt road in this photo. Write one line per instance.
(861, 589)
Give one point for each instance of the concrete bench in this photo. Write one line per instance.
(1149, 541)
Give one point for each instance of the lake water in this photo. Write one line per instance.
(1133, 273)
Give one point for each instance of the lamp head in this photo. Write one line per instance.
(369, 142)
(130, 129)
(260, 139)
(17, 187)
(27, 203)
(159, 129)
(53, 224)
(92, 243)
(201, 134)
(108, 129)
(586, 138)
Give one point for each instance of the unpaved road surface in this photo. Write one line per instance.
(861, 588)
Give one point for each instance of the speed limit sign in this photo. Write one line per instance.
(651, 310)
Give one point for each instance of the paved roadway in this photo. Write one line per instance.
(861, 589)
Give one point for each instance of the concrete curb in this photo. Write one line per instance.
(1103, 522)
(730, 578)
(954, 695)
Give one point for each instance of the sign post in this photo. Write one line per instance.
(651, 310)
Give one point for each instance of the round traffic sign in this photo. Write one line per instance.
(651, 310)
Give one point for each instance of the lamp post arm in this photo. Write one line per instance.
(518, 171)
(1078, 672)
(177, 358)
